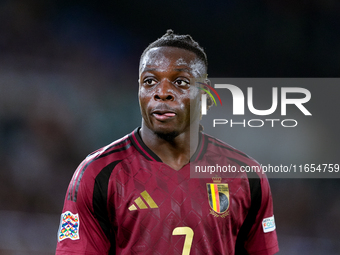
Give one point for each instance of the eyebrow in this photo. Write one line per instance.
(183, 70)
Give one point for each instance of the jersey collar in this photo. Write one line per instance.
(138, 143)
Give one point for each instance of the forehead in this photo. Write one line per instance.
(163, 57)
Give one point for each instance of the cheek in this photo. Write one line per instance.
(142, 99)
(195, 97)
(194, 93)
(143, 95)
(190, 100)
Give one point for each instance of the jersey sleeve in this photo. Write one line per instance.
(80, 230)
(258, 233)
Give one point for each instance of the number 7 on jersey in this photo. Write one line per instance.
(189, 235)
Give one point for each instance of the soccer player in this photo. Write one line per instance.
(135, 195)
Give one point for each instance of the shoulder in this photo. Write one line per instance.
(115, 151)
(98, 163)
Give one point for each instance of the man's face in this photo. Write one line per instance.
(165, 93)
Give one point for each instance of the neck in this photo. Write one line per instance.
(173, 151)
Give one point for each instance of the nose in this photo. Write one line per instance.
(164, 92)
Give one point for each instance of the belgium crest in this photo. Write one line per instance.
(218, 196)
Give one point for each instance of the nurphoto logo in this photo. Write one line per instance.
(239, 99)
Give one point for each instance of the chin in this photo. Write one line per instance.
(166, 132)
(167, 135)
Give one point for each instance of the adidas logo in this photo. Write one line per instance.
(140, 203)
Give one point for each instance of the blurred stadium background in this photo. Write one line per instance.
(68, 85)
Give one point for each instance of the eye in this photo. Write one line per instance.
(150, 81)
(182, 82)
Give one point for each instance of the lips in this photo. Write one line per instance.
(163, 113)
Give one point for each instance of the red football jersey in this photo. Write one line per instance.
(123, 200)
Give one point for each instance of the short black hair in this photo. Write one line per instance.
(180, 41)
